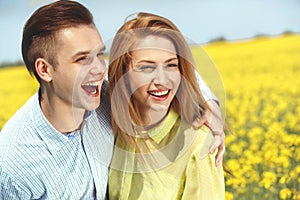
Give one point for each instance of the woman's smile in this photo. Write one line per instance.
(159, 95)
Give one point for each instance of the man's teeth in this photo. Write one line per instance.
(91, 87)
(91, 84)
(160, 93)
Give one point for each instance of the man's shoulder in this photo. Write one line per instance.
(18, 143)
(22, 151)
(16, 132)
(19, 119)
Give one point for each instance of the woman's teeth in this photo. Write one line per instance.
(159, 93)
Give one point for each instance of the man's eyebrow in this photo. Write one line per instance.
(103, 48)
(80, 53)
(100, 49)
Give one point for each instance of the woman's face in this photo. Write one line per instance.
(154, 76)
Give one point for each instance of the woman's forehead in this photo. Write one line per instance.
(155, 42)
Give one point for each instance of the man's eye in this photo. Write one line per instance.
(84, 60)
(80, 59)
(100, 54)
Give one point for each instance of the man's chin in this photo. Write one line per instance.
(92, 106)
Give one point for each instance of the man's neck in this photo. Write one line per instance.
(63, 117)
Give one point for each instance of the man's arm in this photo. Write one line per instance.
(215, 123)
(213, 119)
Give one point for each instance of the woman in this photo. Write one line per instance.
(153, 85)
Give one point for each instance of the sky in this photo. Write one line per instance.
(199, 20)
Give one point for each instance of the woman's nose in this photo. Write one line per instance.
(161, 76)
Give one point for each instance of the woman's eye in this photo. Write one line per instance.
(146, 68)
(172, 65)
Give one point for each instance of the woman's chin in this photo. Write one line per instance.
(159, 107)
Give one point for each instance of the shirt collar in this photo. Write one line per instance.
(160, 131)
(53, 138)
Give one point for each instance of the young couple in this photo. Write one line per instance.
(66, 142)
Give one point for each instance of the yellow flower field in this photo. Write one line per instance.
(16, 87)
(262, 83)
(261, 78)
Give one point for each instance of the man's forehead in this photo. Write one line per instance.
(77, 41)
(82, 34)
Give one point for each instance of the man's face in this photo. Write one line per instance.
(77, 79)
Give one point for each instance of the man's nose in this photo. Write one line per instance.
(98, 66)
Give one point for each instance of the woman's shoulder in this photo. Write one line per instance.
(200, 140)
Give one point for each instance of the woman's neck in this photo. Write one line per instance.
(149, 119)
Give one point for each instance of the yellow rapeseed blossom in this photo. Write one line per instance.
(269, 179)
(228, 196)
(285, 193)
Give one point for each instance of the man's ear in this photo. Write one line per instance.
(43, 69)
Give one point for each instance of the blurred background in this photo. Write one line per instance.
(201, 21)
(248, 53)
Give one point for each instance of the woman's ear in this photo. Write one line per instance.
(43, 69)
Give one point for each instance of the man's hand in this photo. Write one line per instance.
(213, 119)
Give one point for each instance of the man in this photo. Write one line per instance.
(57, 146)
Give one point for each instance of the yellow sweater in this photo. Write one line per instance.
(174, 164)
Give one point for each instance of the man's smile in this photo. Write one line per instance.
(91, 88)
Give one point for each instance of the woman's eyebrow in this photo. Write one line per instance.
(153, 62)
(146, 61)
(171, 59)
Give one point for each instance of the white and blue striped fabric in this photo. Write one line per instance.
(38, 162)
